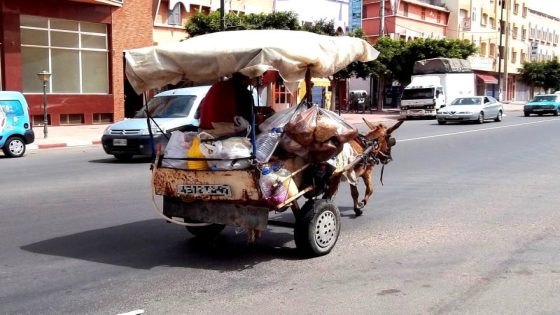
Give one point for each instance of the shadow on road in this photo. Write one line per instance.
(153, 243)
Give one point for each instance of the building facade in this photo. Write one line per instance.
(404, 19)
(81, 43)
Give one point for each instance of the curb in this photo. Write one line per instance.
(63, 144)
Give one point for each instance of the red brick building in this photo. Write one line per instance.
(81, 43)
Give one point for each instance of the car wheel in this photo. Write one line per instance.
(123, 157)
(527, 114)
(498, 117)
(317, 227)
(14, 147)
(441, 122)
(555, 112)
(481, 118)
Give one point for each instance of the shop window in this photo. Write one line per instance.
(76, 53)
(102, 118)
(71, 119)
(37, 120)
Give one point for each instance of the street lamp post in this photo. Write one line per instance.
(44, 77)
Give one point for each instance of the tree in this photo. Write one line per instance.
(201, 23)
(542, 74)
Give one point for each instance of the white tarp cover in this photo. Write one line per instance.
(207, 58)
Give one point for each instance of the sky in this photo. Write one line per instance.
(551, 7)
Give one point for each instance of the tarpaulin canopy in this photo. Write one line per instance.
(208, 58)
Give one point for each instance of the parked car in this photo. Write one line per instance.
(171, 110)
(473, 108)
(15, 128)
(543, 104)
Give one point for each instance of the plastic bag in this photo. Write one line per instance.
(177, 146)
(302, 126)
(344, 131)
(281, 118)
(227, 149)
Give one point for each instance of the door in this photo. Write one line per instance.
(491, 107)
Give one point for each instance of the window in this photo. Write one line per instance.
(423, 14)
(364, 12)
(513, 56)
(524, 10)
(282, 95)
(76, 54)
(516, 8)
(523, 56)
(438, 17)
(473, 14)
(492, 22)
(175, 15)
(483, 49)
(523, 33)
(514, 32)
(492, 52)
(484, 19)
(405, 9)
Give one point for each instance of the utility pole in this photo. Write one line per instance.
(380, 81)
(382, 18)
(506, 55)
(500, 49)
(222, 16)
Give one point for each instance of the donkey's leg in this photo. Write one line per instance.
(355, 195)
(368, 181)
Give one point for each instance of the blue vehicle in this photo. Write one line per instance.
(543, 104)
(15, 127)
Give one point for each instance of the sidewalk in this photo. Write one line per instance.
(87, 135)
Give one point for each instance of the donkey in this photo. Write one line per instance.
(352, 164)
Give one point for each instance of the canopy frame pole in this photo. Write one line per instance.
(308, 87)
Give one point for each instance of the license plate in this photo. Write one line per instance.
(204, 190)
(119, 142)
(453, 117)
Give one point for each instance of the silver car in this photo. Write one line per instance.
(473, 108)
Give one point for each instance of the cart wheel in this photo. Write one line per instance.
(317, 227)
(205, 231)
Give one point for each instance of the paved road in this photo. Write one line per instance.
(466, 222)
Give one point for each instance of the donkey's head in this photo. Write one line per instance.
(381, 137)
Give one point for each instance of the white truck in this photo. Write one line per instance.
(436, 82)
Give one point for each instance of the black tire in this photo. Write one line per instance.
(317, 227)
(527, 114)
(480, 118)
(498, 117)
(123, 157)
(206, 231)
(442, 122)
(555, 113)
(14, 147)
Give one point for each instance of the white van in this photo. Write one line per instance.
(171, 110)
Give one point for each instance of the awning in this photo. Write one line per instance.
(487, 78)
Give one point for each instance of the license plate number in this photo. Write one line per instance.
(204, 190)
(119, 142)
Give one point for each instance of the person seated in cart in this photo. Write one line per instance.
(225, 100)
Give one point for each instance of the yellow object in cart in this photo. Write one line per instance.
(194, 152)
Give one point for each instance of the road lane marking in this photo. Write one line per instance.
(476, 130)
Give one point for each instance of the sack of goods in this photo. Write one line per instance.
(232, 153)
(314, 133)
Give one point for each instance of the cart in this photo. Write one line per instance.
(205, 201)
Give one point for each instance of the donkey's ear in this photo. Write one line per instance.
(395, 126)
(369, 124)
